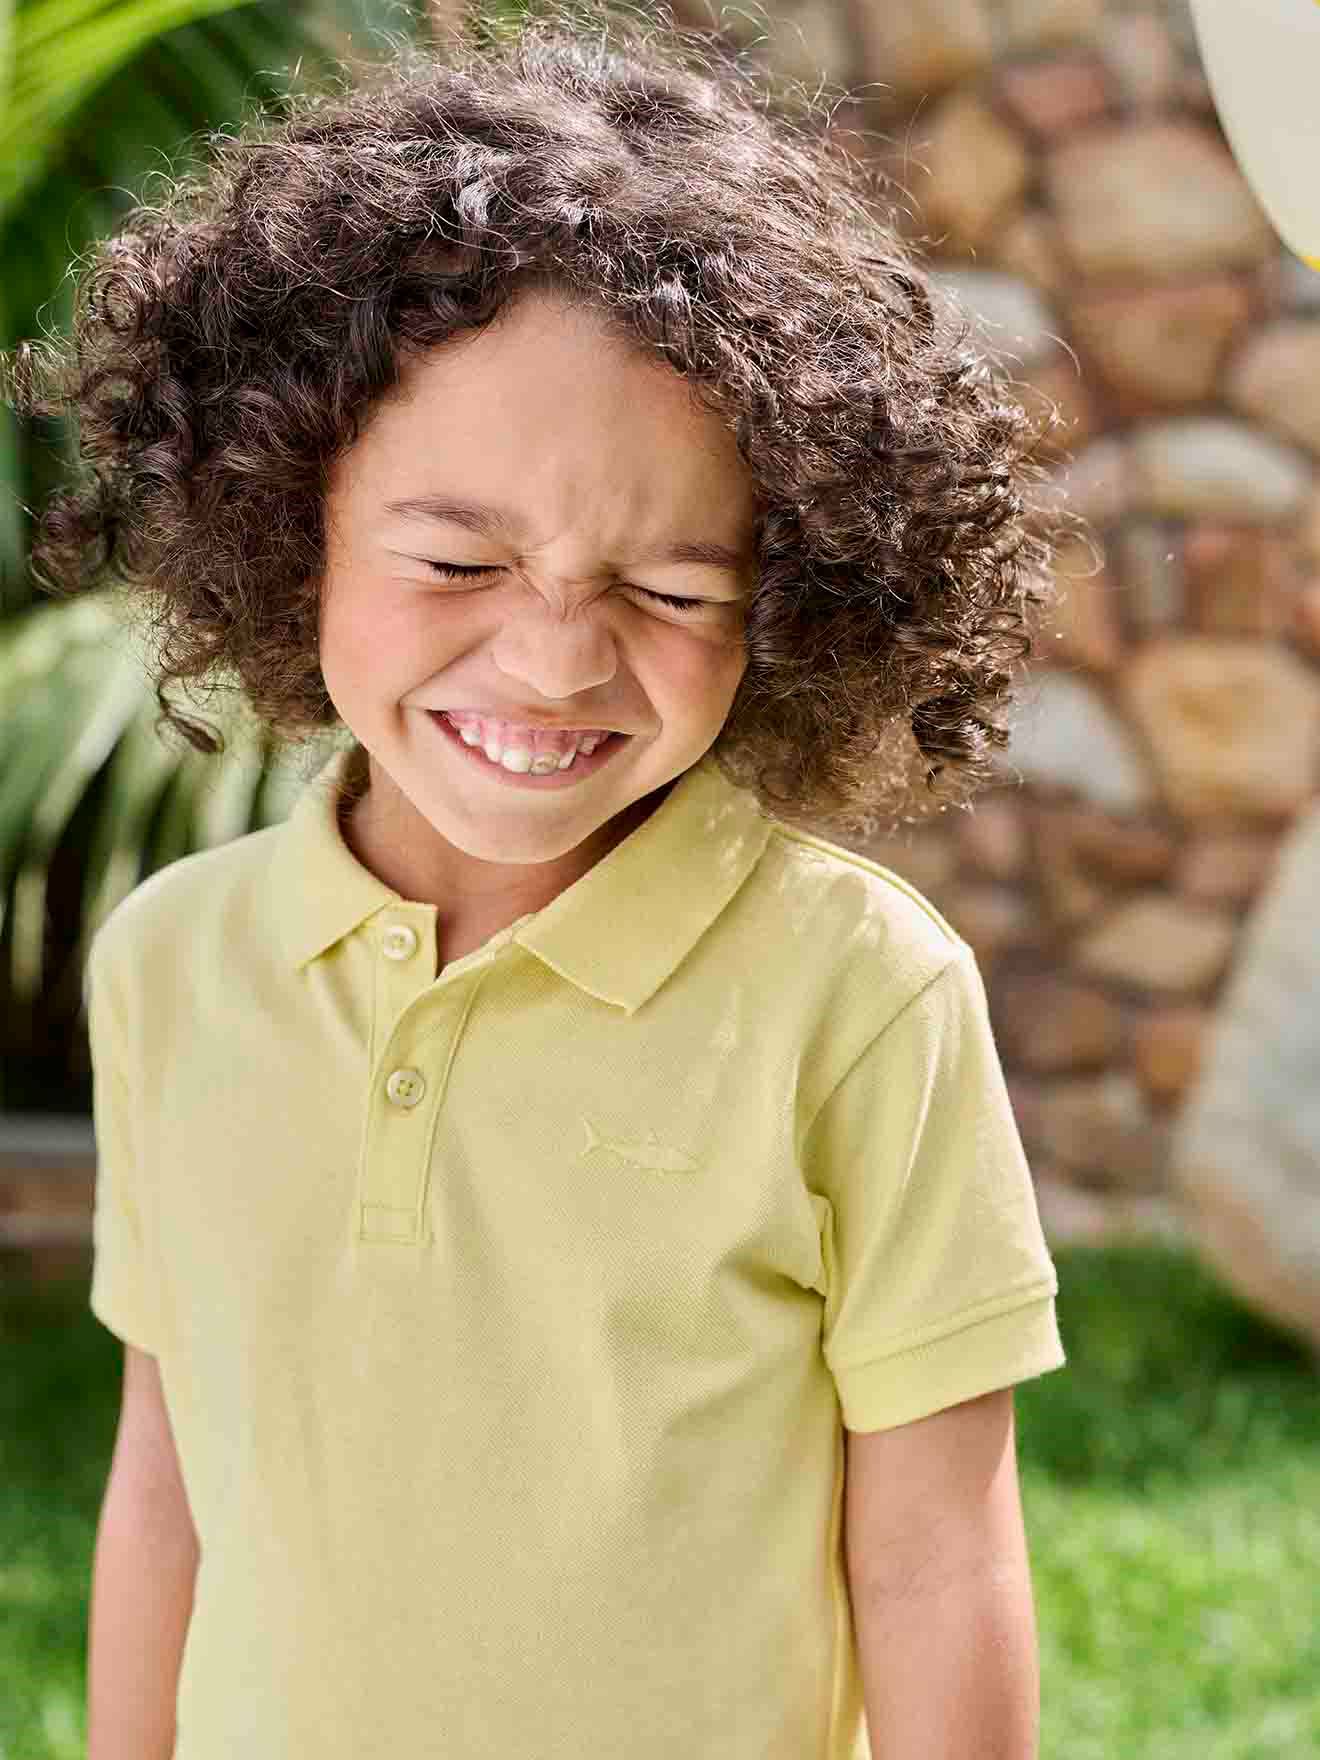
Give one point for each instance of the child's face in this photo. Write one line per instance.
(596, 456)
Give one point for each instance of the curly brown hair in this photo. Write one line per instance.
(231, 341)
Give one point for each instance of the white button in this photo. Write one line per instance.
(399, 941)
(405, 1087)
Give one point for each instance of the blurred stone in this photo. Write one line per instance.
(1226, 867)
(1070, 1215)
(1207, 467)
(1027, 245)
(977, 166)
(1051, 1025)
(1276, 380)
(44, 1193)
(1239, 580)
(923, 48)
(1058, 400)
(991, 919)
(1167, 1045)
(991, 838)
(1103, 1125)
(1160, 344)
(805, 38)
(1193, 93)
(1072, 894)
(1307, 620)
(1073, 1216)
(1065, 734)
(1155, 200)
(1050, 97)
(1233, 726)
(1008, 317)
(1095, 484)
(1024, 1095)
(1082, 854)
(1032, 24)
(1149, 562)
(1082, 626)
(1123, 851)
(1155, 942)
(925, 859)
(1265, 283)
(1299, 284)
(1309, 530)
(1142, 59)
(1246, 1153)
(850, 123)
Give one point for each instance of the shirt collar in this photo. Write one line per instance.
(616, 932)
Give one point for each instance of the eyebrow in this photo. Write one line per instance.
(490, 522)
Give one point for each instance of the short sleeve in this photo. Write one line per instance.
(940, 1284)
(122, 1289)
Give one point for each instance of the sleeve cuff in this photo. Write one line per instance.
(972, 1358)
(125, 1321)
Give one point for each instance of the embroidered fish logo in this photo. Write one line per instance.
(651, 1153)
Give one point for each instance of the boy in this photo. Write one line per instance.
(568, 1231)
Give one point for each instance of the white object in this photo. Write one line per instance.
(1262, 62)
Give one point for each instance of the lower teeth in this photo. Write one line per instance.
(538, 767)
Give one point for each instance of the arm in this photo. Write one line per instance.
(940, 1585)
(143, 1573)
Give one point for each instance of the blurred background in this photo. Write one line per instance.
(1139, 885)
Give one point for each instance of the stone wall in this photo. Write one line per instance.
(1065, 158)
(1063, 161)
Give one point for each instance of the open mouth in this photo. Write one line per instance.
(584, 763)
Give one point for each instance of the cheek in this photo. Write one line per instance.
(364, 627)
(728, 662)
(703, 677)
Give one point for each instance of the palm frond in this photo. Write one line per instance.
(96, 96)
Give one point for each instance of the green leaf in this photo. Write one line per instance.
(106, 689)
(95, 97)
(139, 772)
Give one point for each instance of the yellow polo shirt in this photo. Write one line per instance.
(508, 1319)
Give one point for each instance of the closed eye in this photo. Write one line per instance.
(669, 599)
(458, 571)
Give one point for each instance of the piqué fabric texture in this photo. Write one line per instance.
(509, 1319)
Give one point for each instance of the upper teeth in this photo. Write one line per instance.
(511, 749)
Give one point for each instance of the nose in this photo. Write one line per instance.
(555, 653)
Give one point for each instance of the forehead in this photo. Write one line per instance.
(545, 362)
(550, 413)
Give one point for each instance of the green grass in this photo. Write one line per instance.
(1171, 1488)
(1170, 1480)
(59, 1402)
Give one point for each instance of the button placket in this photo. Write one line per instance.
(405, 1087)
(404, 963)
(399, 941)
(392, 1176)
(412, 1051)
(396, 1145)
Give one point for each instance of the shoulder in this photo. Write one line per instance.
(150, 930)
(864, 914)
(829, 948)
